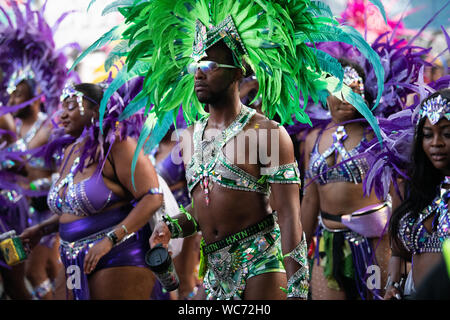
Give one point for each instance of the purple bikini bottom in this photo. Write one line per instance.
(79, 236)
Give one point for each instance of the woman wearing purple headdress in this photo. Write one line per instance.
(13, 210)
(346, 245)
(102, 215)
(421, 224)
(33, 131)
(33, 78)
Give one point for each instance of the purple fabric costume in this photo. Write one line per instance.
(88, 198)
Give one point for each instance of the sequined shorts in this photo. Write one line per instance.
(230, 268)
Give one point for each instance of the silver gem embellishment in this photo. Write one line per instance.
(435, 109)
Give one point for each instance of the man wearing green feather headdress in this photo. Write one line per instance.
(238, 157)
(242, 247)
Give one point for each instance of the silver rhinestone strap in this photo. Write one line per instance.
(298, 284)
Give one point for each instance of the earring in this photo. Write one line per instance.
(92, 121)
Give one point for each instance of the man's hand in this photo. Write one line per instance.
(161, 234)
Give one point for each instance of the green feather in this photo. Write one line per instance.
(113, 34)
(147, 128)
(112, 7)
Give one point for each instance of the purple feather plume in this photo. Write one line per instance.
(28, 41)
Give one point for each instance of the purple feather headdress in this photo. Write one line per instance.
(403, 65)
(401, 62)
(26, 43)
(392, 161)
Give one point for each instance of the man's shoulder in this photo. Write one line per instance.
(262, 122)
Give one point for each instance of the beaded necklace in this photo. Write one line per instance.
(208, 151)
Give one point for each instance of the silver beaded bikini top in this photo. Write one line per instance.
(84, 198)
(412, 232)
(348, 170)
(210, 163)
(23, 143)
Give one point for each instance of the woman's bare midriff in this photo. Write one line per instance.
(67, 217)
(341, 198)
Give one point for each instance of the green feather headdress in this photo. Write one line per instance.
(160, 38)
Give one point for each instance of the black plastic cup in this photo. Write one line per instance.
(160, 262)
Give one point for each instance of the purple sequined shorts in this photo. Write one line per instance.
(79, 236)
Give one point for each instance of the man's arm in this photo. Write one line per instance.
(285, 197)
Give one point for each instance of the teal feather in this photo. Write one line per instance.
(90, 4)
(380, 7)
(329, 64)
(319, 7)
(123, 76)
(159, 131)
(371, 56)
(133, 107)
(112, 7)
(119, 51)
(357, 101)
(113, 34)
(146, 130)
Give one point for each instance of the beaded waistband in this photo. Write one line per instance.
(73, 248)
(266, 223)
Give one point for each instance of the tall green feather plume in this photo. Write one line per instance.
(275, 33)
